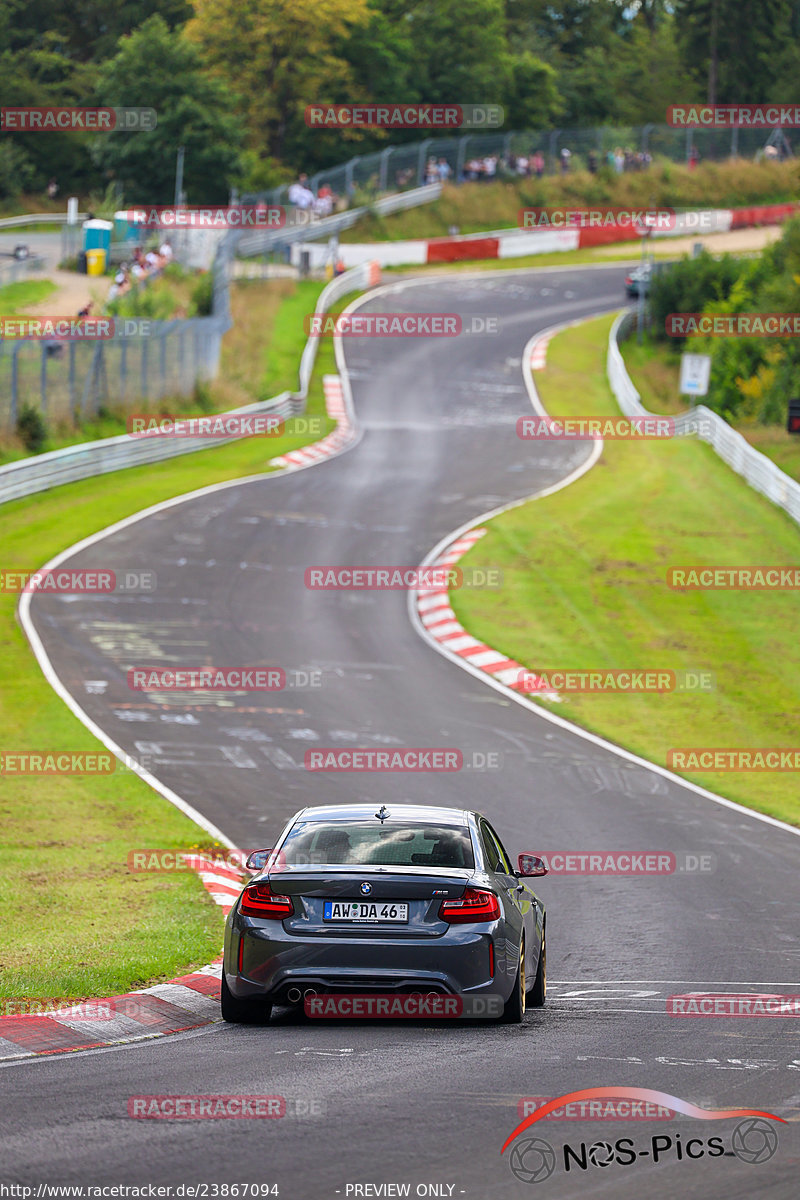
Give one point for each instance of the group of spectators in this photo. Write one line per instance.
(145, 264)
(437, 170)
(494, 166)
(301, 196)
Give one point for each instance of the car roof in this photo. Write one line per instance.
(421, 814)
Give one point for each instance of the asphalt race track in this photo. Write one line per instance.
(410, 1102)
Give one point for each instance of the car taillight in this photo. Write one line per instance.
(628, 280)
(259, 900)
(474, 905)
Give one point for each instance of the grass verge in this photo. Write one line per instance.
(475, 207)
(260, 357)
(655, 371)
(16, 297)
(585, 587)
(77, 923)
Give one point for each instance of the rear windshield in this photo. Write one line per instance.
(363, 844)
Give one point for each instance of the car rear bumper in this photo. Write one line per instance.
(273, 963)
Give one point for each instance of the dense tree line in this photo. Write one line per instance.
(231, 79)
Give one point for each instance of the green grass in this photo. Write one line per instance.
(476, 207)
(655, 371)
(260, 358)
(584, 587)
(77, 923)
(17, 297)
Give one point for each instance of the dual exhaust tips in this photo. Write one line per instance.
(295, 995)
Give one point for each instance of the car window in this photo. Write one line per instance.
(493, 850)
(362, 843)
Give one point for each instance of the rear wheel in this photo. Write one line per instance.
(243, 1010)
(514, 1009)
(538, 993)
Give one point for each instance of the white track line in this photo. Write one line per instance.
(531, 705)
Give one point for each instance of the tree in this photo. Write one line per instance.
(155, 68)
(88, 30)
(282, 54)
(730, 47)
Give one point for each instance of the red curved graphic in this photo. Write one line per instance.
(636, 1093)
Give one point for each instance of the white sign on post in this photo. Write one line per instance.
(695, 374)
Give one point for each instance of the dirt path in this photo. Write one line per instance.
(73, 292)
(737, 241)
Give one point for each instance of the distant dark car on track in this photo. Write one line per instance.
(408, 899)
(638, 279)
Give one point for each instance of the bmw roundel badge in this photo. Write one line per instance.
(366, 888)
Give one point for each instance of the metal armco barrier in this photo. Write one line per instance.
(759, 471)
(37, 474)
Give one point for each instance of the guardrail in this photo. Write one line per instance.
(251, 244)
(38, 474)
(13, 271)
(37, 219)
(759, 471)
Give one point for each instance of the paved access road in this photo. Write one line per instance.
(415, 1104)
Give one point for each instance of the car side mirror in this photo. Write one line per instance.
(257, 859)
(530, 865)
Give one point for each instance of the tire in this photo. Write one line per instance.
(243, 1010)
(538, 993)
(514, 1009)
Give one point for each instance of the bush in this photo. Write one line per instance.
(202, 300)
(31, 429)
(688, 286)
(16, 170)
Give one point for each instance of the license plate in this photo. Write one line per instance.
(365, 912)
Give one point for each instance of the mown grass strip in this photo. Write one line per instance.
(77, 923)
(585, 587)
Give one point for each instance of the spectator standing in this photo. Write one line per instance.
(537, 162)
(300, 194)
(592, 162)
(565, 156)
